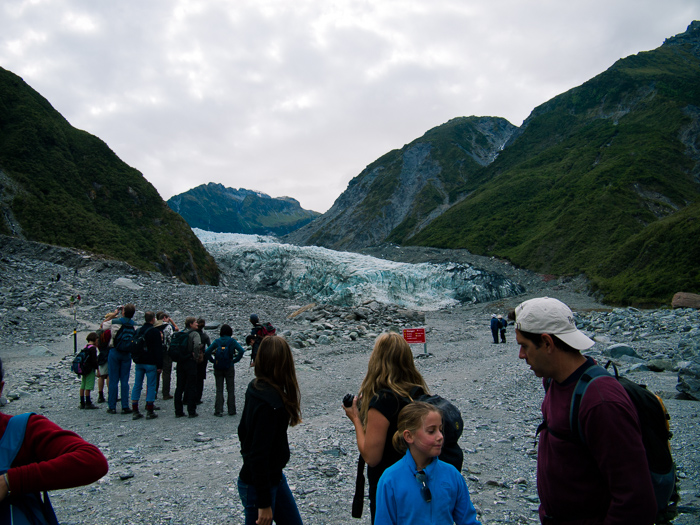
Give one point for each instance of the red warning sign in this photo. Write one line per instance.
(414, 335)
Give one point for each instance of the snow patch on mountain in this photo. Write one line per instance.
(349, 279)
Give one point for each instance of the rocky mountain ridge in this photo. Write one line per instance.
(399, 193)
(214, 207)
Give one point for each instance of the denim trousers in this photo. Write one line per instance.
(151, 373)
(119, 364)
(284, 508)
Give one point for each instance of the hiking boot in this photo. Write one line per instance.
(166, 397)
(111, 411)
(126, 410)
(193, 415)
(82, 405)
(137, 415)
(90, 406)
(101, 398)
(151, 415)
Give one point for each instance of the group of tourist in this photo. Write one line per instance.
(115, 346)
(605, 479)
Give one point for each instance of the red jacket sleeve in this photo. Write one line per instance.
(53, 458)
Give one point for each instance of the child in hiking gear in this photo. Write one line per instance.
(87, 381)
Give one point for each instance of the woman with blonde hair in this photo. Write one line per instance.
(385, 390)
(272, 404)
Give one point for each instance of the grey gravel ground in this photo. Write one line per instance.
(181, 471)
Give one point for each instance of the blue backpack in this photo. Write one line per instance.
(23, 508)
(124, 340)
(224, 357)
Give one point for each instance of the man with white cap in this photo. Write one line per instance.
(605, 478)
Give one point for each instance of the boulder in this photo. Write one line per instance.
(686, 300)
(689, 381)
(620, 349)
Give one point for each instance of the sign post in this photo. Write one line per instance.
(416, 336)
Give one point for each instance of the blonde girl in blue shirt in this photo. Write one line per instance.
(419, 488)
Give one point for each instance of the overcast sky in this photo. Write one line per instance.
(296, 97)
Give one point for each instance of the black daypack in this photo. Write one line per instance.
(452, 453)
(654, 422)
(179, 346)
(81, 362)
(21, 509)
(124, 339)
(140, 348)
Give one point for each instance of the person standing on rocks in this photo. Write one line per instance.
(502, 323)
(104, 338)
(165, 324)
(272, 404)
(421, 488)
(494, 328)
(385, 390)
(119, 361)
(221, 354)
(147, 364)
(87, 381)
(605, 478)
(201, 361)
(258, 332)
(186, 372)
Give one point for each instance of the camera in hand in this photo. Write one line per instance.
(347, 400)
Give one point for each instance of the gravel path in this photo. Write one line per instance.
(181, 471)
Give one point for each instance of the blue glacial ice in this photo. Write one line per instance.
(350, 279)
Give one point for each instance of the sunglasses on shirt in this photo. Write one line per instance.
(424, 490)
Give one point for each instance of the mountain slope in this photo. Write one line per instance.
(63, 186)
(215, 208)
(599, 180)
(401, 192)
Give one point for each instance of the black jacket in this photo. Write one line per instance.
(263, 436)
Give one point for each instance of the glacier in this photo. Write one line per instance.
(350, 279)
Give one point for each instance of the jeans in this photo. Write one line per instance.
(151, 373)
(284, 508)
(185, 390)
(119, 364)
(229, 377)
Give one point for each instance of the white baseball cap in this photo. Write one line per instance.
(544, 315)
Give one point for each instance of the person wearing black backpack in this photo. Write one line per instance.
(224, 353)
(119, 359)
(605, 479)
(148, 361)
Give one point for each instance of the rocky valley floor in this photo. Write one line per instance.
(182, 471)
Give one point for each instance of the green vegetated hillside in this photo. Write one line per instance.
(396, 195)
(62, 186)
(603, 180)
(213, 207)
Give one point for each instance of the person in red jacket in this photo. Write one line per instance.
(50, 458)
(605, 479)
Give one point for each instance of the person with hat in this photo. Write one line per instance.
(603, 479)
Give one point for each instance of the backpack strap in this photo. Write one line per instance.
(593, 372)
(12, 440)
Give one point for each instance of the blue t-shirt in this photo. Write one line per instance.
(399, 500)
